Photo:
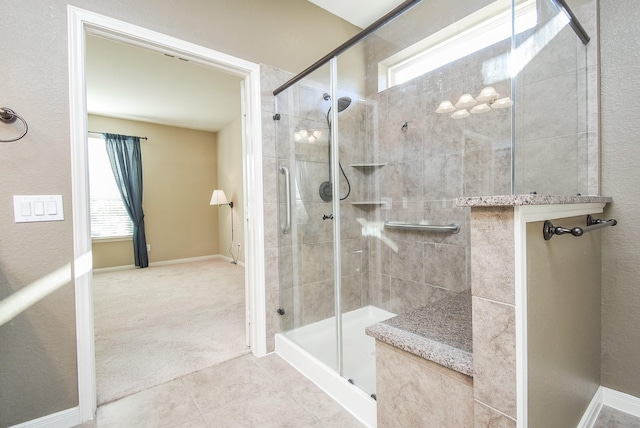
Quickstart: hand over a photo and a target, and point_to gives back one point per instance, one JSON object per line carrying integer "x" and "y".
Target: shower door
{"x": 306, "y": 236}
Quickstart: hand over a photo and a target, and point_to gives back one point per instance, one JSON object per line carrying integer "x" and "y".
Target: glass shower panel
{"x": 551, "y": 107}
{"x": 306, "y": 261}
{"x": 360, "y": 200}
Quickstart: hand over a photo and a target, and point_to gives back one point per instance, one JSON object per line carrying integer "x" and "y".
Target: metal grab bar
{"x": 548, "y": 229}
{"x": 286, "y": 226}
{"x": 453, "y": 228}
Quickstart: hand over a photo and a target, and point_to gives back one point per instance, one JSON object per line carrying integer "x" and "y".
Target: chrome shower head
{"x": 343, "y": 102}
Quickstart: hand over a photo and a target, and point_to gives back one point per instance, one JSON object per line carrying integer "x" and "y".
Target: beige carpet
{"x": 156, "y": 324}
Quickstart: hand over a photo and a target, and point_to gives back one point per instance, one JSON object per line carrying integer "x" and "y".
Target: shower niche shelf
{"x": 366, "y": 166}
{"x": 368, "y": 203}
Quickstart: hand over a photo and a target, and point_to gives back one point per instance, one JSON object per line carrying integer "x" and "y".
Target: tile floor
{"x": 250, "y": 392}
{"x": 611, "y": 418}
{"x": 243, "y": 392}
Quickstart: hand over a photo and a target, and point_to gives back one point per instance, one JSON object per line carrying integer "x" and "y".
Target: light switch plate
{"x": 31, "y": 208}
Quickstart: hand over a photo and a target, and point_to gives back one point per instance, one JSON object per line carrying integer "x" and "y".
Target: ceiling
{"x": 360, "y": 13}
{"x": 129, "y": 82}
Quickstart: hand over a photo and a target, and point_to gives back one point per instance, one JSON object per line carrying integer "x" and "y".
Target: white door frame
{"x": 81, "y": 22}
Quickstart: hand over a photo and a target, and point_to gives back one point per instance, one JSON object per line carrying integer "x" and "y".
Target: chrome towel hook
{"x": 9, "y": 116}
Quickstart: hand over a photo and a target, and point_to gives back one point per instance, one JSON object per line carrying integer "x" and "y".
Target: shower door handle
{"x": 286, "y": 226}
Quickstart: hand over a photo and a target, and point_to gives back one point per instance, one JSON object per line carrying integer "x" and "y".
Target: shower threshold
{"x": 311, "y": 350}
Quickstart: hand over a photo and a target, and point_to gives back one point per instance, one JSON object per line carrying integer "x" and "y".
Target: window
{"x": 477, "y": 31}
{"x": 109, "y": 218}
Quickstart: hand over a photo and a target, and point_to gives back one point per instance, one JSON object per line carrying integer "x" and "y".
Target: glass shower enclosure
{"x": 442, "y": 100}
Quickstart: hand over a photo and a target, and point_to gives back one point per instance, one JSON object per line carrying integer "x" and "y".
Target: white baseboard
{"x": 230, "y": 260}
{"x": 187, "y": 260}
{"x": 591, "y": 414}
{"x": 610, "y": 398}
{"x": 621, "y": 401}
{"x": 64, "y": 419}
{"x": 168, "y": 262}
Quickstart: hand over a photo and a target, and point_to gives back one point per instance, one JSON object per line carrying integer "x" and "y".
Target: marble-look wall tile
{"x": 407, "y": 295}
{"x": 486, "y": 417}
{"x": 593, "y": 150}
{"x": 290, "y": 299}
{"x": 405, "y": 102}
{"x": 318, "y": 301}
{"x": 268, "y": 136}
{"x": 310, "y": 225}
{"x": 271, "y": 224}
{"x": 493, "y": 254}
{"x": 543, "y": 176}
{"x": 269, "y": 177}
{"x": 551, "y": 54}
{"x": 354, "y": 253}
{"x": 351, "y": 292}
{"x": 552, "y": 115}
{"x": 380, "y": 286}
{"x": 316, "y": 262}
{"x": 408, "y": 262}
{"x": 442, "y": 177}
{"x": 419, "y": 393}
{"x": 406, "y": 180}
{"x": 494, "y": 355}
{"x": 445, "y": 266}
{"x": 446, "y": 212}
{"x": 406, "y": 144}
{"x": 444, "y": 136}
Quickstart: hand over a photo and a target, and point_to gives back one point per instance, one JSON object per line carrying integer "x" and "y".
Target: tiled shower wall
{"x": 306, "y": 257}
{"x": 432, "y": 159}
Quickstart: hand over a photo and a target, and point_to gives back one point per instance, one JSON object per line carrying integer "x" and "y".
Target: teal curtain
{"x": 126, "y": 162}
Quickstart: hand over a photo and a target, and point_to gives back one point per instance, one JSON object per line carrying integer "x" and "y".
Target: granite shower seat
{"x": 439, "y": 332}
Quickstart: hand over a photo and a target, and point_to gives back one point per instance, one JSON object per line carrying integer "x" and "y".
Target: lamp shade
{"x": 466, "y": 100}
{"x": 488, "y": 93}
{"x": 218, "y": 198}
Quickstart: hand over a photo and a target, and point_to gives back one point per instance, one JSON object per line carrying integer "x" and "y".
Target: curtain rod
{"x": 95, "y": 132}
{"x": 403, "y": 7}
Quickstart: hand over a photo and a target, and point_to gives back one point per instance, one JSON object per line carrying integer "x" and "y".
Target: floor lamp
{"x": 219, "y": 198}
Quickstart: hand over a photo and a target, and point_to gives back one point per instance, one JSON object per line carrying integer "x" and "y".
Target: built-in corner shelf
{"x": 368, "y": 165}
{"x": 364, "y": 203}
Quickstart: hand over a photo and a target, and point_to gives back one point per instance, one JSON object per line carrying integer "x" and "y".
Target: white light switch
{"x": 30, "y": 208}
{"x": 25, "y": 208}
{"x": 38, "y": 208}
{"x": 52, "y": 208}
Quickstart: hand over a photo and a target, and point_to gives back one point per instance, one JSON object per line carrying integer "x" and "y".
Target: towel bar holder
{"x": 548, "y": 229}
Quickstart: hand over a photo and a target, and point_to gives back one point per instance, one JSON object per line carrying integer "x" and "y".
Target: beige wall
{"x": 563, "y": 304}
{"x": 179, "y": 168}
{"x": 620, "y": 63}
{"x": 38, "y": 352}
{"x": 230, "y": 180}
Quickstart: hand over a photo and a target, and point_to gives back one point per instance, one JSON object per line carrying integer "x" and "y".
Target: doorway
{"x": 81, "y": 23}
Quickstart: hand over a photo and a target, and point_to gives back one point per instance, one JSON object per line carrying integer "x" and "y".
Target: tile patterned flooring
{"x": 243, "y": 392}
{"x": 611, "y": 418}
{"x": 250, "y": 392}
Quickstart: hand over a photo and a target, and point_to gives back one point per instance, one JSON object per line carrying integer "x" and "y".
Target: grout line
{"x": 193, "y": 400}
{"x": 493, "y": 301}
{"x": 494, "y": 409}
